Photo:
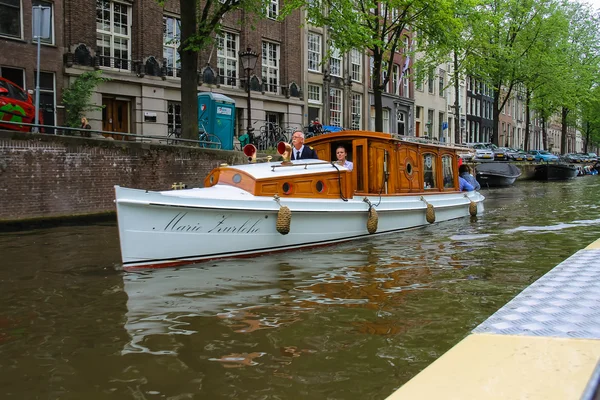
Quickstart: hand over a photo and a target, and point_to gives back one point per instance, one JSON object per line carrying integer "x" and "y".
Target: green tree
{"x": 504, "y": 32}
{"x": 76, "y": 97}
{"x": 200, "y": 21}
{"x": 379, "y": 26}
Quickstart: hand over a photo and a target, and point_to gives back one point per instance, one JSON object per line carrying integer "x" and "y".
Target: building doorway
{"x": 115, "y": 117}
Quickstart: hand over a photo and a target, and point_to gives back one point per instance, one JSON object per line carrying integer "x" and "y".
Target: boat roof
{"x": 263, "y": 170}
{"x": 356, "y": 134}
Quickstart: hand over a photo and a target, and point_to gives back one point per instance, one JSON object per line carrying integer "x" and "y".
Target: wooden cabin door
{"x": 360, "y": 177}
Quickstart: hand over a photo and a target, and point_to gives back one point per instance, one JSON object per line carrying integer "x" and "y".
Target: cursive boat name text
{"x": 179, "y": 223}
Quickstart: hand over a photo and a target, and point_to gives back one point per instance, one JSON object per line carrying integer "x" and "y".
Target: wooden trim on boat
{"x": 383, "y": 164}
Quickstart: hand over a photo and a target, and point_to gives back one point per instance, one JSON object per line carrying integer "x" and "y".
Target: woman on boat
{"x": 341, "y": 154}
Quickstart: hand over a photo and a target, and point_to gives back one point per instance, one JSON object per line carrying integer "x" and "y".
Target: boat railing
{"x": 425, "y": 140}
{"x": 295, "y": 165}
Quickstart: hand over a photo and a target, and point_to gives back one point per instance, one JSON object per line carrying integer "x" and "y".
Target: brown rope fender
{"x": 430, "y": 213}
{"x": 284, "y": 218}
{"x": 373, "y": 219}
{"x": 472, "y": 207}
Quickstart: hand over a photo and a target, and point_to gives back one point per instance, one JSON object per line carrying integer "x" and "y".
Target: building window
{"x": 273, "y": 9}
{"x": 431, "y": 81}
{"x": 441, "y": 80}
{"x": 270, "y": 66}
{"x": 46, "y": 4}
{"x": 356, "y": 65}
{"x": 227, "y": 58}
{"x": 419, "y": 80}
{"x": 430, "y": 123}
{"x": 335, "y": 107}
{"x": 47, "y": 98}
{"x": 335, "y": 62}
{"x": 314, "y": 52}
{"x": 355, "y": 109}
{"x": 386, "y": 120}
{"x": 174, "y": 117}
{"x": 15, "y": 75}
{"x": 314, "y": 94}
{"x": 396, "y": 79}
{"x": 171, "y": 38}
{"x": 405, "y": 87}
{"x": 10, "y": 18}
{"x": 440, "y": 126}
{"x": 113, "y": 34}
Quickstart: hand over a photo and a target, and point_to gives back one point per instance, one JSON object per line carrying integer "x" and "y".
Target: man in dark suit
{"x": 299, "y": 150}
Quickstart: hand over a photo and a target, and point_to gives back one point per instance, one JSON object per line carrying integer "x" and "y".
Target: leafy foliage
{"x": 76, "y": 97}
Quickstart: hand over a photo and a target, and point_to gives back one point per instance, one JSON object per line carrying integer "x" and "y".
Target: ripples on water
{"x": 353, "y": 321}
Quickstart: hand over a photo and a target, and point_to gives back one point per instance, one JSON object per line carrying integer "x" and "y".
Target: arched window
{"x": 447, "y": 171}
{"x": 429, "y": 171}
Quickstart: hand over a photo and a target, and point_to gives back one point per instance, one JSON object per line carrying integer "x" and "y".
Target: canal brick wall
{"x": 48, "y": 176}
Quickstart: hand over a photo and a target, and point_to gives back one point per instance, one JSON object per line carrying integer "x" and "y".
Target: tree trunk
{"x": 495, "y": 135}
{"x": 189, "y": 73}
{"x": 377, "y": 91}
{"x": 544, "y": 135}
{"x": 527, "y": 119}
{"x": 563, "y": 130}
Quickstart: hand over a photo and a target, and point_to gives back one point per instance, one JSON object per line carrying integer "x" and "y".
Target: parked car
{"x": 16, "y": 105}
{"x": 482, "y": 151}
{"x": 543, "y": 155}
{"x": 500, "y": 153}
{"x": 513, "y": 154}
{"x": 593, "y": 157}
{"x": 572, "y": 158}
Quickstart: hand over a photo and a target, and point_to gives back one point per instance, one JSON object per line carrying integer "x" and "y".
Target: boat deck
{"x": 544, "y": 344}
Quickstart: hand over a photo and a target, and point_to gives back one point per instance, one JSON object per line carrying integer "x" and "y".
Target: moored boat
{"x": 243, "y": 210}
{"x": 555, "y": 172}
{"x": 497, "y": 174}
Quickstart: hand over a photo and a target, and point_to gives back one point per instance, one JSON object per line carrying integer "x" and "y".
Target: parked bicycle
{"x": 207, "y": 140}
{"x": 270, "y": 135}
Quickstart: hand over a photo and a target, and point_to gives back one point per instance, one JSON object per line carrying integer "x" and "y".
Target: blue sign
{"x": 444, "y": 126}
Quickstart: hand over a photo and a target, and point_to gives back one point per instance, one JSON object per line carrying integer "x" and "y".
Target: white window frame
{"x": 396, "y": 79}
{"x": 273, "y": 9}
{"x": 171, "y": 42}
{"x": 385, "y": 116}
{"x": 315, "y": 48}
{"x": 19, "y": 20}
{"x": 45, "y": 90}
{"x": 335, "y": 62}
{"x": 113, "y": 35}
{"x": 356, "y": 111}
{"x": 405, "y": 86}
{"x": 314, "y": 94}
{"x": 270, "y": 66}
{"x": 441, "y": 77}
{"x": 45, "y": 3}
{"x": 228, "y": 46}
{"x": 336, "y": 107}
{"x": 356, "y": 65}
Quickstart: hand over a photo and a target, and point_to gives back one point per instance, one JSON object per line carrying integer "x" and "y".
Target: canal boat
{"x": 497, "y": 174}
{"x": 397, "y": 183}
{"x": 555, "y": 172}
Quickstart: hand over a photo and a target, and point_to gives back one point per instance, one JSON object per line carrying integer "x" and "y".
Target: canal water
{"x": 352, "y": 321}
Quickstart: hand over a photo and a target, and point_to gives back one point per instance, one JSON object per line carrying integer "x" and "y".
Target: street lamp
{"x": 248, "y": 59}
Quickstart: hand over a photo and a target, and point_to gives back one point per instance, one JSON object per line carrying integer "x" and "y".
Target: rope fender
{"x": 472, "y": 207}
{"x": 284, "y": 218}
{"x": 373, "y": 219}
{"x": 430, "y": 213}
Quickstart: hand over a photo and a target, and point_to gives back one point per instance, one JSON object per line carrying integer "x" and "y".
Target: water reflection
{"x": 352, "y": 321}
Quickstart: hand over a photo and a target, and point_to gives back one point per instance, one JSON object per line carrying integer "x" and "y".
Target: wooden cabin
{"x": 390, "y": 165}
{"x": 383, "y": 165}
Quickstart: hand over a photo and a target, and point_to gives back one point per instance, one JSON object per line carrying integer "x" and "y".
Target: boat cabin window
{"x": 429, "y": 171}
{"x": 347, "y": 146}
{"x": 448, "y": 172}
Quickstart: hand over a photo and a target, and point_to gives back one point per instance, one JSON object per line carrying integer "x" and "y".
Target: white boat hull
{"x": 160, "y": 229}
